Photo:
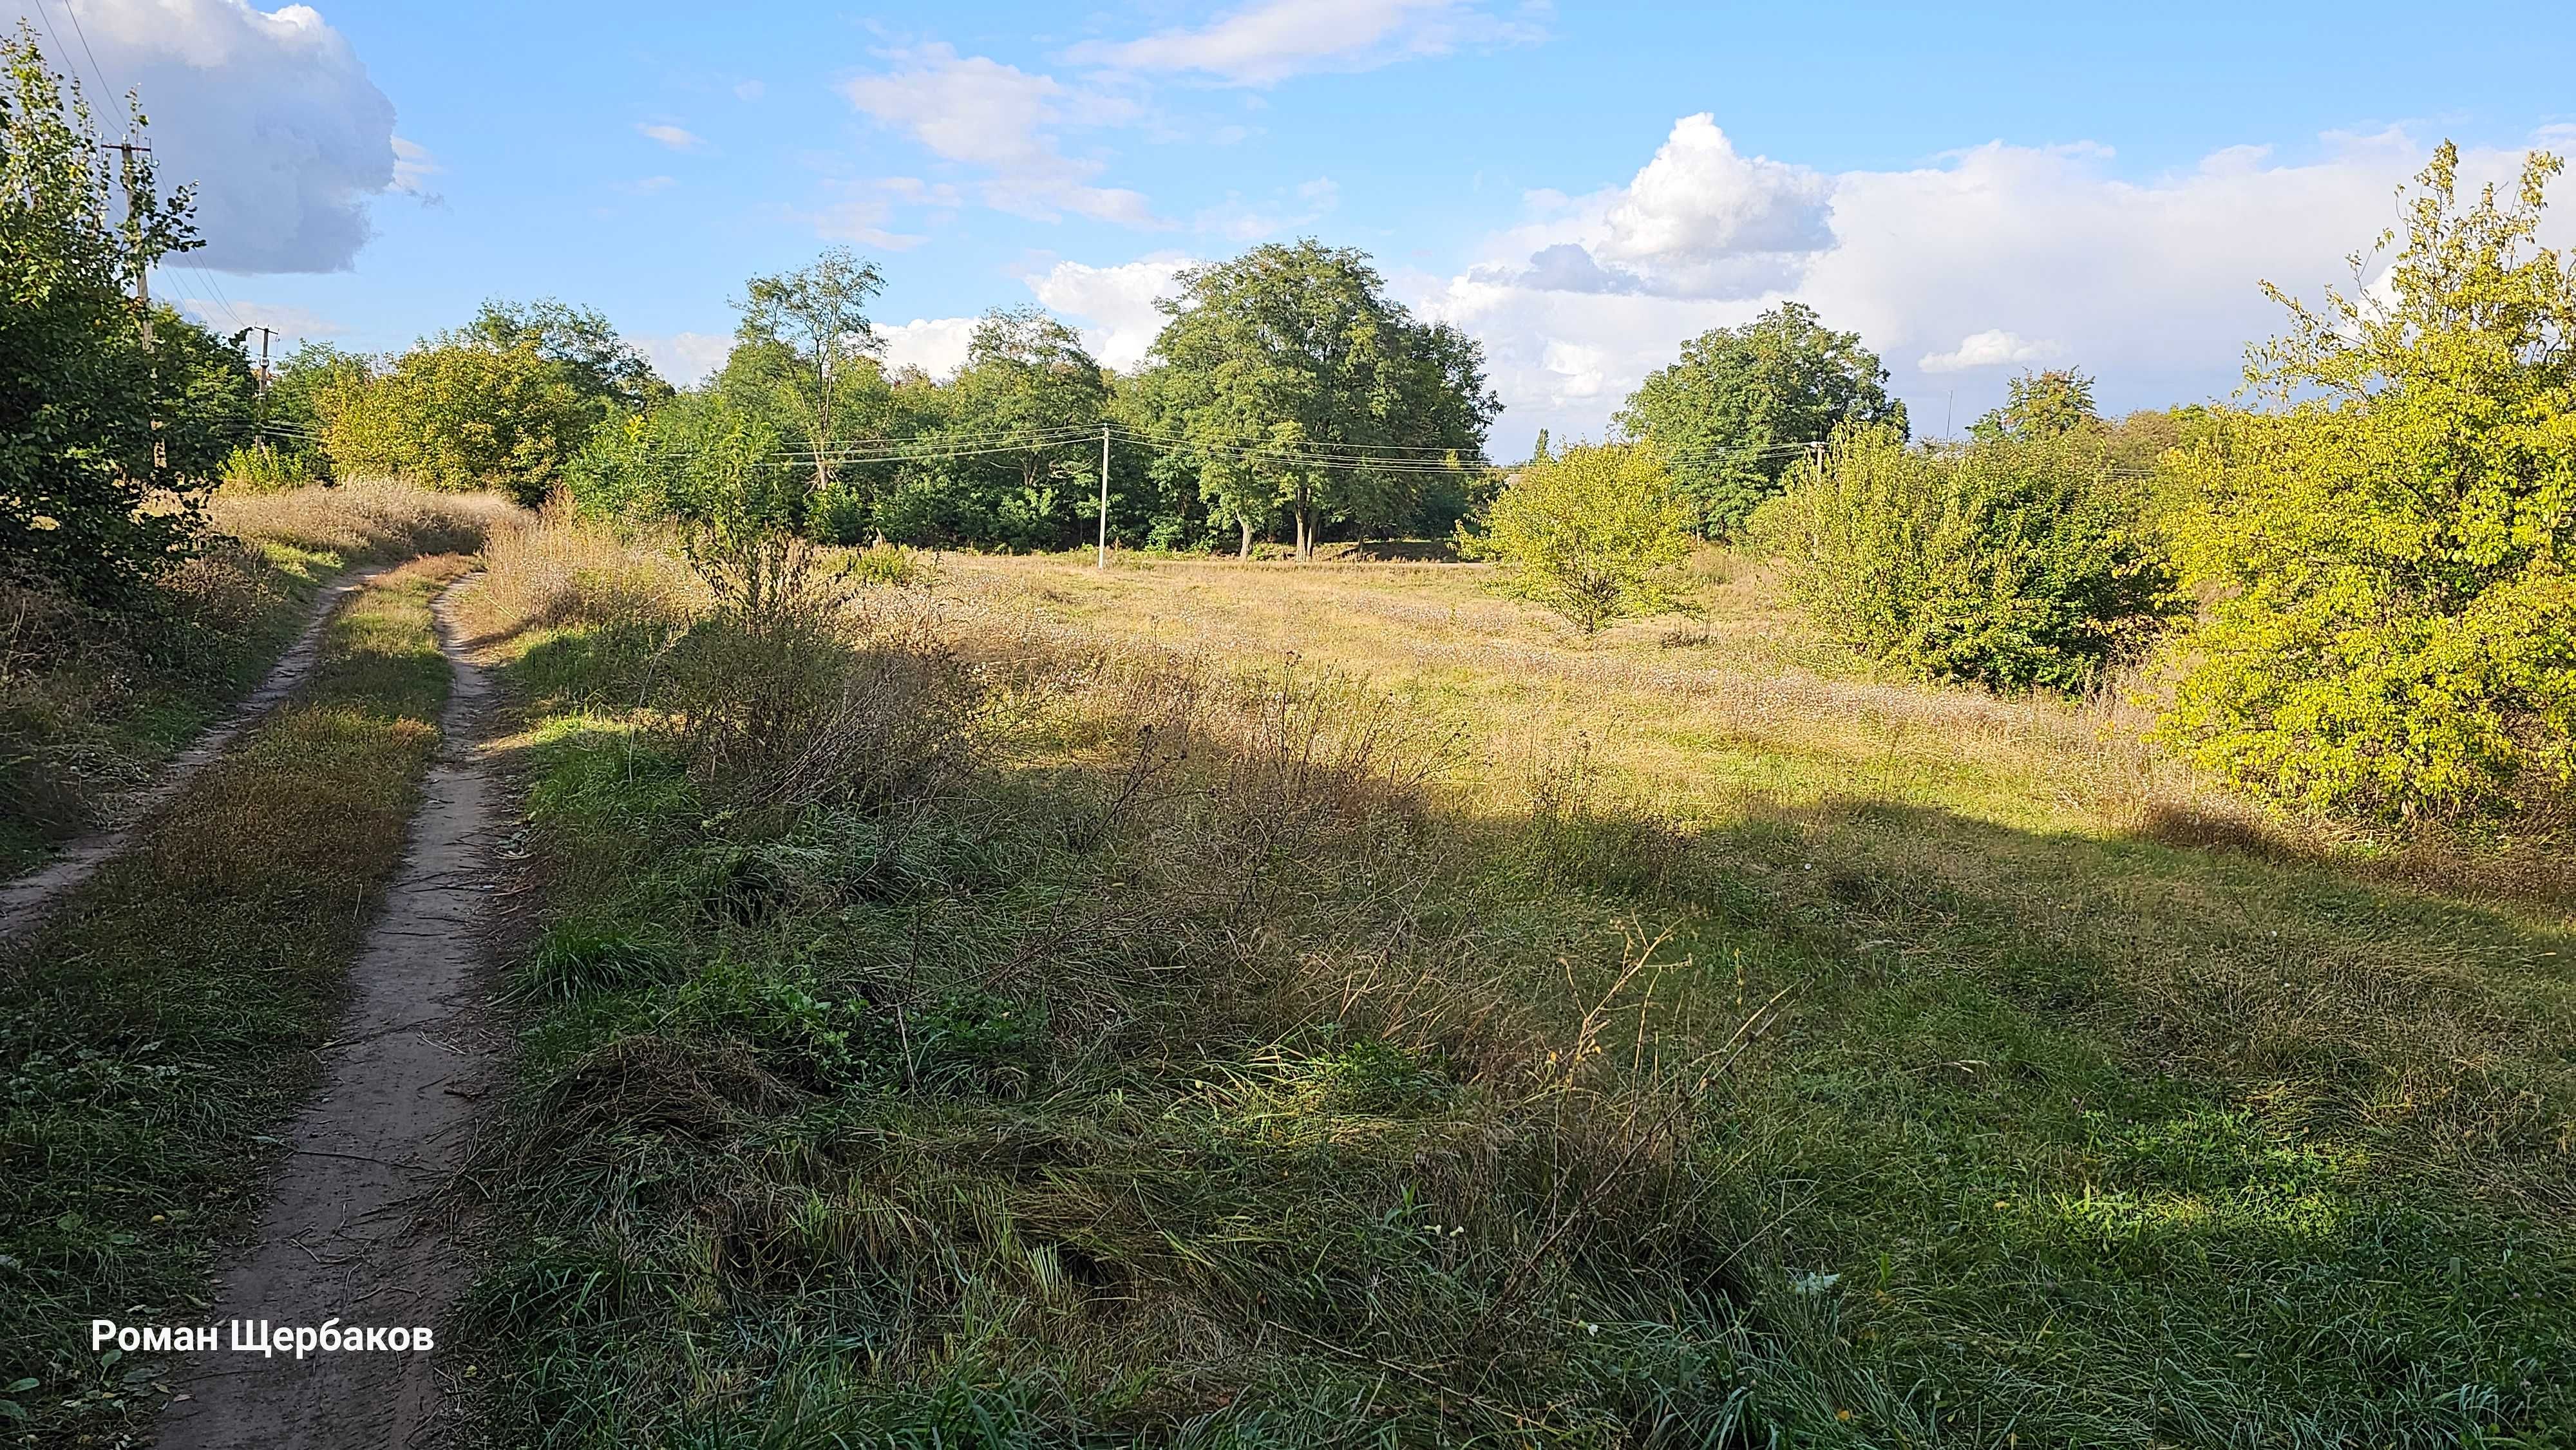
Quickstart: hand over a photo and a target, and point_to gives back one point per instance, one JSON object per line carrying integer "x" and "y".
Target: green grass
{"x": 1298, "y": 1074}
{"x": 159, "y": 1027}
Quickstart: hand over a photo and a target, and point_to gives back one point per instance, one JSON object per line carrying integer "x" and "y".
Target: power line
{"x": 104, "y": 88}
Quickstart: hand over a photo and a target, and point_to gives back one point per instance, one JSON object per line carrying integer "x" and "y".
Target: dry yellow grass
{"x": 1703, "y": 718}
{"x": 358, "y": 522}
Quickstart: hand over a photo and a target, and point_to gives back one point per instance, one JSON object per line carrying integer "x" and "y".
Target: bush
{"x": 2019, "y": 563}
{"x": 266, "y": 468}
{"x": 2394, "y": 625}
{"x": 1598, "y": 535}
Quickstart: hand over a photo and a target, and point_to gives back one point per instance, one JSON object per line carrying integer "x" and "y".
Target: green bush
{"x": 1596, "y": 536}
{"x": 266, "y": 468}
{"x": 2393, "y": 626}
{"x": 2018, "y": 563}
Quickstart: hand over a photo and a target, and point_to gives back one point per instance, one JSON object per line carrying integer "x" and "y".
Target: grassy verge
{"x": 91, "y": 701}
{"x": 969, "y": 1023}
{"x": 157, "y": 1029}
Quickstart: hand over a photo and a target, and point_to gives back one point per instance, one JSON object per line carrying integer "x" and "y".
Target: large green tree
{"x": 78, "y": 388}
{"x": 811, "y": 338}
{"x": 1730, "y": 415}
{"x": 1294, "y": 380}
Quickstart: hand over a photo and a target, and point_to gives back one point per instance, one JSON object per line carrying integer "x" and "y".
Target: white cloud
{"x": 647, "y": 185}
{"x": 2150, "y": 284}
{"x": 750, "y": 90}
{"x": 936, "y": 345}
{"x": 289, "y": 323}
{"x": 1118, "y": 302}
{"x": 270, "y": 114}
{"x": 684, "y": 358}
{"x": 413, "y": 166}
{"x": 678, "y": 138}
{"x": 1271, "y": 40}
{"x": 1991, "y": 348}
{"x": 1005, "y": 122}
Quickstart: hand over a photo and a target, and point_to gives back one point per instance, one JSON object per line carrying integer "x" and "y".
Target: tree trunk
{"x": 1246, "y": 551}
{"x": 1305, "y": 526}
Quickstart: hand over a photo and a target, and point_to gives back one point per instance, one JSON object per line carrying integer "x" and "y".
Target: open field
{"x": 1313, "y": 1004}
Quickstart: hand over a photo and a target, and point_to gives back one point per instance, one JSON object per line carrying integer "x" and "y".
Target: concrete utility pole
{"x": 1104, "y": 497}
{"x": 142, "y": 297}
{"x": 262, "y": 420}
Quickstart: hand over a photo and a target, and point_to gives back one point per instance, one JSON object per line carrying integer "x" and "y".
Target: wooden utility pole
{"x": 1104, "y": 497}
{"x": 142, "y": 296}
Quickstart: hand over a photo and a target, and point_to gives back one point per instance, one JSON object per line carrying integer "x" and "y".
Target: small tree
{"x": 2392, "y": 550}
{"x": 2042, "y": 405}
{"x": 1597, "y": 535}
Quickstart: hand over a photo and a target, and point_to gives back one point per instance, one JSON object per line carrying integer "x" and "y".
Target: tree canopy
{"x": 1729, "y": 414}
{"x": 78, "y": 389}
{"x": 1290, "y": 355}
{"x": 2389, "y": 549}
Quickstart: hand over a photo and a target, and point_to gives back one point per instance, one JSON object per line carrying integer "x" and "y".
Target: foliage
{"x": 810, "y": 330}
{"x": 265, "y": 467}
{"x": 77, "y": 387}
{"x": 2042, "y": 405}
{"x": 1027, "y": 409}
{"x": 2393, "y": 626}
{"x": 2019, "y": 563}
{"x": 1596, "y": 536}
{"x": 711, "y": 471}
{"x": 1290, "y": 355}
{"x": 1729, "y": 413}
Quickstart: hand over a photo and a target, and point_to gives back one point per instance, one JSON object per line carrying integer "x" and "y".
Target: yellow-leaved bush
{"x": 2390, "y": 622}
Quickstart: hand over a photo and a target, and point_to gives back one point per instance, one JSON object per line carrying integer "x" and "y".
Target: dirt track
{"x": 351, "y": 1233}
{"x": 26, "y": 900}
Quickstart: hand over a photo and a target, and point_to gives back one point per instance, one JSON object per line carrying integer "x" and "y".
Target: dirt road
{"x": 351, "y": 1234}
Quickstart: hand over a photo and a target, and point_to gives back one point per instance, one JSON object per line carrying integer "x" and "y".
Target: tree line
{"x": 1287, "y": 397}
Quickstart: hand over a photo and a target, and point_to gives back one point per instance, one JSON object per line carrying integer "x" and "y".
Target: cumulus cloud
{"x": 1271, "y": 40}
{"x": 1006, "y": 123}
{"x": 935, "y": 345}
{"x": 1985, "y": 259}
{"x": 1112, "y": 307}
{"x": 1698, "y": 220}
{"x": 684, "y": 358}
{"x": 1117, "y": 302}
{"x": 1991, "y": 348}
{"x": 678, "y": 138}
{"x": 270, "y": 113}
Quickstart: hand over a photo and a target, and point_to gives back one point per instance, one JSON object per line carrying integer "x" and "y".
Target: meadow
{"x": 1234, "y": 1004}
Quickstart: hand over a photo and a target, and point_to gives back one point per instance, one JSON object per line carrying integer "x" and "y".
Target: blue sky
{"x": 1974, "y": 189}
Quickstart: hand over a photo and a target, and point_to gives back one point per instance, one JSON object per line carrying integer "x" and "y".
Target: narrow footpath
{"x": 25, "y": 900}
{"x": 353, "y": 1233}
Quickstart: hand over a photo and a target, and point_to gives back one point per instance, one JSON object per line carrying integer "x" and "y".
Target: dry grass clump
{"x": 363, "y": 522}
